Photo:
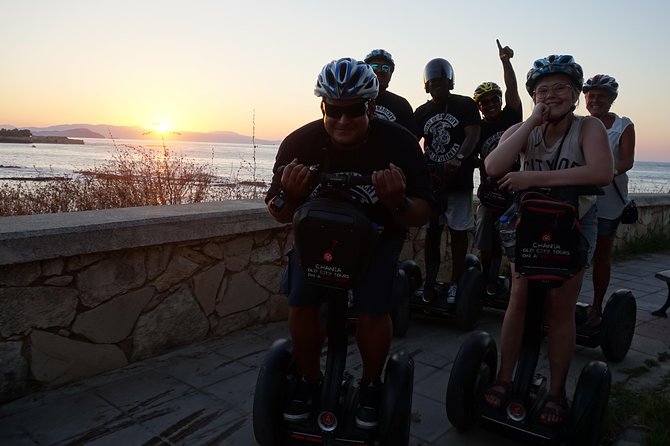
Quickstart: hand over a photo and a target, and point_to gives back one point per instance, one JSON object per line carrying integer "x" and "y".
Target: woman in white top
{"x": 557, "y": 148}
{"x": 600, "y": 92}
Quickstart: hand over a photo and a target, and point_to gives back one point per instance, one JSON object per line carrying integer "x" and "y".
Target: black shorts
{"x": 373, "y": 294}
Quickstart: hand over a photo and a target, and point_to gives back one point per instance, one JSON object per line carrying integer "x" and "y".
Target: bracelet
{"x": 404, "y": 207}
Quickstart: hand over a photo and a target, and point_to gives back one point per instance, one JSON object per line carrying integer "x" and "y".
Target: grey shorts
{"x": 459, "y": 215}
{"x": 373, "y": 294}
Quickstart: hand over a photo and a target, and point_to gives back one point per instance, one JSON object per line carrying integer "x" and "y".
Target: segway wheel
{"x": 400, "y": 311}
{"x": 587, "y": 414}
{"x": 270, "y": 395}
{"x": 471, "y": 288}
{"x": 396, "y": 405}
{"x": 473, "y": 371}
{"x": 413, "y": 273}
{"x": 618, "y": 325}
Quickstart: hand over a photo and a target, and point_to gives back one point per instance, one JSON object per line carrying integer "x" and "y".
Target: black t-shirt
{"x": 443, "y": 129}
{"x": 394, "y": 108}
{"x": 386, "y": 143}
{"x": 491, "y": 132}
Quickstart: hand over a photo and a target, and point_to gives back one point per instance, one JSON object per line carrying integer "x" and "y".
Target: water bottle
{"x": 507, "y": 235}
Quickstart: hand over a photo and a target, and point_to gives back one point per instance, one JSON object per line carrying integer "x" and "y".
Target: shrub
{"x": 135, "y": 176}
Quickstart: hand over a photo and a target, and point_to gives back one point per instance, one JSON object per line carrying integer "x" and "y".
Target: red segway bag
{"x": 549, "y": 244}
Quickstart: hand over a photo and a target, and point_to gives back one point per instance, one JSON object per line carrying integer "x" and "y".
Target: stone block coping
{"x": 45, "y": 236}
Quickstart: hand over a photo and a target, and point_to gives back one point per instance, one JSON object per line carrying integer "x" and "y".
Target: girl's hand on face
{"x": 540, "y": 114}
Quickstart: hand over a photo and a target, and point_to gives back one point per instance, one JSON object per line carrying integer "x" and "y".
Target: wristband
{"x": 278, "y": 202}
{"x": 404, "y": 207}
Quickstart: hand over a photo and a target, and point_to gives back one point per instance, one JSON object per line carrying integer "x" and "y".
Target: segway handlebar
{"x": 335, "y": 180}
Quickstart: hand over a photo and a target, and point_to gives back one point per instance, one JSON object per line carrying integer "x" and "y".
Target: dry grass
{"x": 135, "y": 176}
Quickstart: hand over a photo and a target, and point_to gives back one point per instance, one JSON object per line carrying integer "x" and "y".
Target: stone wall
{"x": 86, "y": 292}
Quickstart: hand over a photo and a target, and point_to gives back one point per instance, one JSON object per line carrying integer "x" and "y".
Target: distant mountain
{"x": 134, "y": 132}
{"x": 77, "y": 133}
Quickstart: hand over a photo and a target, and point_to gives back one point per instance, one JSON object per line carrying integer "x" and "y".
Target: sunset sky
{"x": 206, "y": 65}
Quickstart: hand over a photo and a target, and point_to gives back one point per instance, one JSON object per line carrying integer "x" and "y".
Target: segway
{"x": 467, "y": 307}
{"x": 334, "y": 240}
{"x": 613, "y": 335}
{"x": 545, "y": 264}
{"x": 615, "y": 332}
{"x": 406, "y": 283}
{"x": 499, "y": 298}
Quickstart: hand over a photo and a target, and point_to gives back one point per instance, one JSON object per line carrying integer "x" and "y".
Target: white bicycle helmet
{"x": 347, "y": 78}
{"x": 602, "y": 81}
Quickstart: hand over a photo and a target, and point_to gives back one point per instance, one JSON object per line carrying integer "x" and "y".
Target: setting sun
{"x": 160, "y": 126}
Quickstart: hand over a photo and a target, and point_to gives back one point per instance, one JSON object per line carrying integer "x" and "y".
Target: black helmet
{"x": 380, "y": 54}
{"x": 438, "y": 69}
{"x": 564, "y": 64}
{"x": 603, "y": 81}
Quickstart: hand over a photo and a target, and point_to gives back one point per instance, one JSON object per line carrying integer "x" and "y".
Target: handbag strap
{"x": 560, "y": 146}
{"x": 618, "y": 191}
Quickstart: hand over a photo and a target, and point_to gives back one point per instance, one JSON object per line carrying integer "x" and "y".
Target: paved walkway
{"x": 202, "y": 394}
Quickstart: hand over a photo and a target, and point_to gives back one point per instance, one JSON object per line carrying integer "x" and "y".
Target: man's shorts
{"x": 372, "y": 295}
{"x": 459, "y": 215}
{"x": 607, "y": 227}
{"x": 486, "y": 235}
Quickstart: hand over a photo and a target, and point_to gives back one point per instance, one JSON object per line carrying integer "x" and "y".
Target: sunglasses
{"x": 353, "y": 111}
{"x": 383, "y": 68}
{"x": 490, "y": 101}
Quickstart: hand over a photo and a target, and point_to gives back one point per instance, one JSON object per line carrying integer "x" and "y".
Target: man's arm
{"x": 471, "y": 139}
{"x": 390, "y": 186}
{"x": 511, "y": 87}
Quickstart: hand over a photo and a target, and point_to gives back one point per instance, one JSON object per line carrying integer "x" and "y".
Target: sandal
{"x": 498, "y": 390}
{"x": 555, "y": 407}
{"x": 594, "y": 318}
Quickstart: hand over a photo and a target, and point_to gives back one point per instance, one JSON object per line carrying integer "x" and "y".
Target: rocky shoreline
{"x": 40, "y": 140}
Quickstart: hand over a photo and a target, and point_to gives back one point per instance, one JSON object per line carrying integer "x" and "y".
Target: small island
{"x": 17, "y": 136}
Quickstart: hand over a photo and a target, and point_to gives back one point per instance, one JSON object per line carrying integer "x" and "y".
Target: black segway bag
{"x": 549, "y": 244}
{"x": 334, "y": 239}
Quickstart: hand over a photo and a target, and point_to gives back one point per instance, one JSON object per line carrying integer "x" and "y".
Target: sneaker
{"x": 369, "y": 396}
{"x": 451, "y": 294}
{"x": 299, "y": 406}
{"x": 428, "y": 295}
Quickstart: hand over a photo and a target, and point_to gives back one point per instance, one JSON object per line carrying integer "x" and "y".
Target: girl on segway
{"x": 557, "y": 148}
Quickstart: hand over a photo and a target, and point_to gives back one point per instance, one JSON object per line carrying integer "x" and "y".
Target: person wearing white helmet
{"x": 449, "y": 126}
{"x": 347, "y": 139}
{"x": 389, "y": 106}
{"x": 557, "y": 148}
{"x": 492, "y": 200}
{"x": 600, "y": 92}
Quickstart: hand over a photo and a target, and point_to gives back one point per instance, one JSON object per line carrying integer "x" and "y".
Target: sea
{"x": 230, "y": 163}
